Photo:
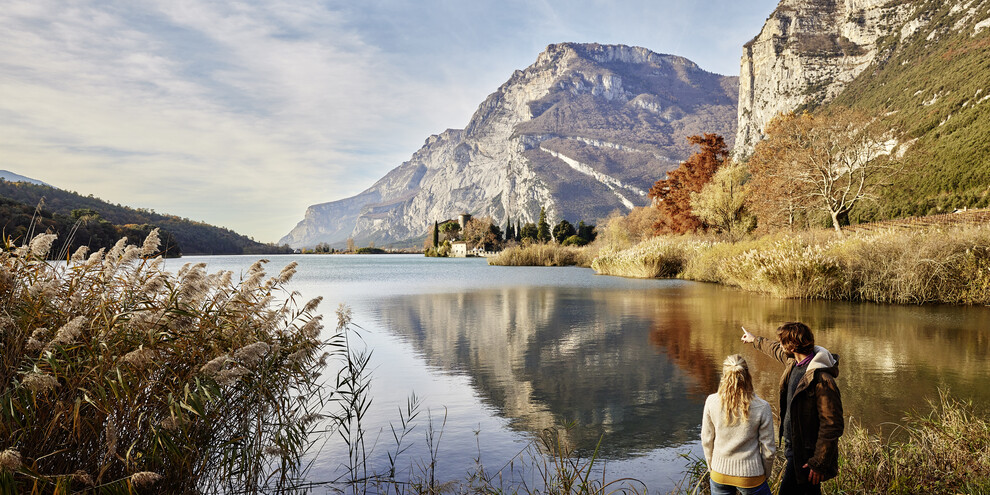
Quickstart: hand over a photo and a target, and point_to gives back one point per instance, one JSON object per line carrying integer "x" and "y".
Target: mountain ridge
{"x": 583, "y": 131}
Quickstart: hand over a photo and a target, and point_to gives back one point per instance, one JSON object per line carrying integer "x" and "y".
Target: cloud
{"x": 242, "y": 114}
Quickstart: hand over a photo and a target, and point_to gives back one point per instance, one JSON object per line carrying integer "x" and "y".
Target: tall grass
{"x": 937, "y": 264}
{"x": 118, "y": 375}
{"x": 944, "y": 451}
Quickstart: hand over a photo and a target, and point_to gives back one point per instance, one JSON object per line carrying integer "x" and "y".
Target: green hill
{"x": 934, "y": 86}
{"x": 103, "y": 223}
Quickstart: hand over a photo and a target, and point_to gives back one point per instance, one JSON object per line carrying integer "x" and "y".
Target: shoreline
{"x": 943, "y": 264}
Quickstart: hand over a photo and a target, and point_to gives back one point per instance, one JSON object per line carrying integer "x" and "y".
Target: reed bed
{"x": 944, "y": 451}
{"x": 119, "y": 376}
{"x": 942, "y": 264}
{"x": 539, "y": 254}
{"x": 659, "y": 257}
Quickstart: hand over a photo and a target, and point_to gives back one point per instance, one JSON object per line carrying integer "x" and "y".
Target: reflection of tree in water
{"x": 672, "y": 332}
{"x": 547, "y": 356}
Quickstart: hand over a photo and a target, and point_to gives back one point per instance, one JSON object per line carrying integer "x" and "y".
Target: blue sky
{"x": 242, "y": 114}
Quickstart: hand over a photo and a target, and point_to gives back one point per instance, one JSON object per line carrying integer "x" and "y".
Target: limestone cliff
{"x": 806, "y": 54}
{"x": 584, "y": 131}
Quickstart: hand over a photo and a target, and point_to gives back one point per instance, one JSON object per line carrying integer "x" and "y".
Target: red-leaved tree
{"x": 672, "y": 196}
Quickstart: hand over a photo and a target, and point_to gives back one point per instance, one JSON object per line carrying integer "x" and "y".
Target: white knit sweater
{"x": 743, "y": 449}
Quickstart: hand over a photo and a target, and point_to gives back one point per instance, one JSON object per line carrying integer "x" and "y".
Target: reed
{"x": 946, "y": 450}
{"x": 118, "y": 375}
{"x": 539, "y": 254}
{"x": 658, "y": 257}
{"x": 938, "y": 264}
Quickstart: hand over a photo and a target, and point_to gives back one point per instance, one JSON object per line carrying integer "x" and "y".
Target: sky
{"x": 243, "y": 113}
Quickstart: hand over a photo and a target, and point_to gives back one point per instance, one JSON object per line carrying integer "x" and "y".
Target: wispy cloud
{"x": 244, "y": 113}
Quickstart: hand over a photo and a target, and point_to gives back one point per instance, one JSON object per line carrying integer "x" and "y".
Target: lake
{"x": 497, "y": 354}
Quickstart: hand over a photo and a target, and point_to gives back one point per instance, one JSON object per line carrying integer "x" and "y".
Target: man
{"x": 810, "y": 407}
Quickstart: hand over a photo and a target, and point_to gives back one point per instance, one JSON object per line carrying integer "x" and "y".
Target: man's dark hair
{"x": 796, "y": 337}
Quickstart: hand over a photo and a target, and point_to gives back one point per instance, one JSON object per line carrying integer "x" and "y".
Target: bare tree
{"x": 826, "y": 161}
{"x": 480, "y": 232}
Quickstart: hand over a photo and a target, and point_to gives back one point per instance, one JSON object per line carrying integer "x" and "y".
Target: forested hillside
{"x": 103, "y": 223}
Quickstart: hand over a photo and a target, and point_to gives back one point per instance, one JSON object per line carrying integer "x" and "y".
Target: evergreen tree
{"x": 563, "y": 230}
{"x": 508, "y": 228}
{"x": 543, "y": 228}
{"x": 586, "y": 232}
{"x": 436, "y": 234}
{"x": 528, "y": 231}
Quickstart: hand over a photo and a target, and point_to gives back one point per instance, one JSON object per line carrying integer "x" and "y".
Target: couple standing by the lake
{"x": 737, "y": 428}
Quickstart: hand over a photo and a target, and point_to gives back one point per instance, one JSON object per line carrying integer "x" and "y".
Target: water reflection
{"x": 636, "y": 364}
{"x": 545, "y": 357}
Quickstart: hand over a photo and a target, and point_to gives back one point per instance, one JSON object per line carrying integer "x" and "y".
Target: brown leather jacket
{"x": 816, "y": 410}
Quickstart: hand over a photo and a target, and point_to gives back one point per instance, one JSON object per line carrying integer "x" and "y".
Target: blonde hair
{"x": 735, "y": 389}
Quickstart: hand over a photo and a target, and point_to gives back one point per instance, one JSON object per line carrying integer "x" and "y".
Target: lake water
{"x": 497, "y": 354}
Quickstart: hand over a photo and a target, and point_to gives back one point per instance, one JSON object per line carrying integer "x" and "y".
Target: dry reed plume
{"x": 118, "y": 375}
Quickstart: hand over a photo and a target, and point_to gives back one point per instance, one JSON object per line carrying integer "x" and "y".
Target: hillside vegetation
{"x": 104, "y": 223}
{"x": 934, "y": 86}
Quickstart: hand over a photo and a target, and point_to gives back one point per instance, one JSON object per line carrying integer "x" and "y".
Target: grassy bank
{"x": 930, "y": 265}
{"x": 537, "y": 254}
{"x": 945, "y": 450}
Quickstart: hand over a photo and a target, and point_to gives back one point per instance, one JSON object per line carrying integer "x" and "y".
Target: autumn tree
{"x": 721, "y": 203}
{"x": 829, "y": 161}
{"x": 776, "y": 196}
{"x": 672, "y": 196}
{"x": 482, "y": 232}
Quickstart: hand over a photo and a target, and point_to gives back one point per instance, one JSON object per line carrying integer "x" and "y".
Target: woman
{"x": 737, "y": 433}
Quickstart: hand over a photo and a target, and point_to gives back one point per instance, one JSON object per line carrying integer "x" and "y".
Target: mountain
{"x": 12, "y": 177}
{"x": 584, "y": 131}
{"x": 922, "y": 67}
{"x": 105, "y": 223}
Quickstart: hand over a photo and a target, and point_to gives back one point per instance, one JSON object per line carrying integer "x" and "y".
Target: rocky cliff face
{"x": 806, "y": 54}
{"x": 584, "y": 131}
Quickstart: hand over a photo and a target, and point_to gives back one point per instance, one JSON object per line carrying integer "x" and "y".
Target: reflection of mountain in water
{"x": 547, "y": 356}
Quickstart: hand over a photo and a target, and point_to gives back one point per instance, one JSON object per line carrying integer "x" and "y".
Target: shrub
{"x": 370, "y": 250}
{"x": 117, "y": 373}
{"x": 575, "y": 240}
